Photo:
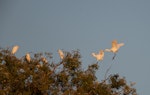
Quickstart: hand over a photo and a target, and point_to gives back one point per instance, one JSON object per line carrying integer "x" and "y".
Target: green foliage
{"x": 37, "y": 77}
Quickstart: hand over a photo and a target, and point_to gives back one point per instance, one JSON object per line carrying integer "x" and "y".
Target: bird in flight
{"x": 99, "y": 56}
{"x": 115, "y": 47}
{"x": 28, "y": 57}
{"x": 61, "y": 54}
{"x": 14, "y": 49}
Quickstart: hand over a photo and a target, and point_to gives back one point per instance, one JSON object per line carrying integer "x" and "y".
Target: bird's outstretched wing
{"x": 108, "y": 50}
{"x": 120, "y": 44}
{"x": 93, "y": 54}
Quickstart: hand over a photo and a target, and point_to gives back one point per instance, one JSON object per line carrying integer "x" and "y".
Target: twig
{"x": 56, "y": 67}
{"x": 107, "y": 71}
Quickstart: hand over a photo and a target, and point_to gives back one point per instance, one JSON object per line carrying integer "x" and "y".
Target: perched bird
{"x": 14, "y": 49}
{"x": 28, "y": 57}
{"x": 99, "y": 56}
{"x": 61, "y": 54}
{"x": 115, "y": 47}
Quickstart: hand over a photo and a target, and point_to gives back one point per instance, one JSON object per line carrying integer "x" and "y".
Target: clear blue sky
{"x": 87, "y": 25}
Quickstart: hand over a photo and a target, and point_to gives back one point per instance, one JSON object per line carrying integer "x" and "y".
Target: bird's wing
{"x": 93, "y": 54}
{"x": 108, "y": 50}
{"x": 114, "y": 44}
{"x": 121, "y": 44}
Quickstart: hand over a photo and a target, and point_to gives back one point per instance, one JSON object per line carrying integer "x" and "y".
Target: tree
{"x": 38, "y": 77}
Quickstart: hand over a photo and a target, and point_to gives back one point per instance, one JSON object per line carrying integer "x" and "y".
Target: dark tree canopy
{"x": 67, "y": 77}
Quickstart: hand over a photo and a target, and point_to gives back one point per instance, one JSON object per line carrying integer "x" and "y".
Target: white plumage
{"x": 115, "y": 47}
{"x": 28, "y": 57}
{"x": 99, "y": 56}
{"x": 14, "y": 49}
{"x": 61, "y": 54}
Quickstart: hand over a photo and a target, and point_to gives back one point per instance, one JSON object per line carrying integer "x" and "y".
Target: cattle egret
{"x": 115, "y": 47}
{"x": 14, "y": 49}
{"x": 99, "y": 56}
{"x": 28, "y": 57}
{"x": 61, "y": 54}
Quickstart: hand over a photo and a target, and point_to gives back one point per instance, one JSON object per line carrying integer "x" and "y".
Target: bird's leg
{"x": 114, "y": 56}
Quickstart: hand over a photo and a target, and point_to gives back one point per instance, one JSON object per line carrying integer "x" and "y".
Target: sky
{"x": 87, "y": 25}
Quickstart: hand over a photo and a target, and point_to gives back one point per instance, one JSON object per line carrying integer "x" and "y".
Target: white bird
{"x": 14, "y": 49}
{"x": 99, "y": 56}
{"x": 28, "y": 57}
{"x": 115, "y": 47}
{"x": 61, "y": 54}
